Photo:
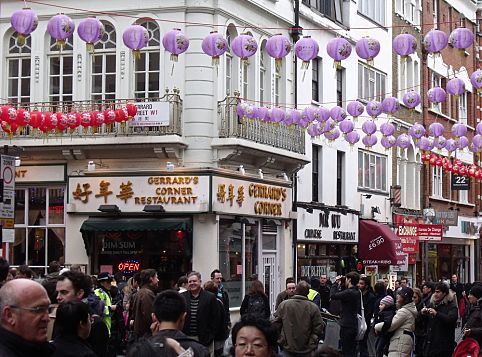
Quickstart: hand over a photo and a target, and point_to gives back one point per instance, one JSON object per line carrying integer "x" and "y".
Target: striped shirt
{"x": 193, "y": 317}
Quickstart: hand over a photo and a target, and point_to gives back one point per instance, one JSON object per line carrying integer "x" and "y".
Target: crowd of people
{"x": 73, "y": 314}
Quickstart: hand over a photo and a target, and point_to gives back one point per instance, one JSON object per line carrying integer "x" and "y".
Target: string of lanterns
{"x": 455, "y": 166}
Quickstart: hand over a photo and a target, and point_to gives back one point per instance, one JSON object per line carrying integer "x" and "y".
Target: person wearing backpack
{"x": 256, "y": 302}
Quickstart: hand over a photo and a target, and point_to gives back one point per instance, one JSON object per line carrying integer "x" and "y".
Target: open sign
{"x": 129, "y": 266}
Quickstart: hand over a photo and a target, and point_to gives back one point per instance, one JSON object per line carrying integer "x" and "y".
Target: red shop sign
{"x": 408, "y": 234}
{"x": 430, "y": 232}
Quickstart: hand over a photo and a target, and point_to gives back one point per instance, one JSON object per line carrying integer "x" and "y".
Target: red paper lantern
{"x": 73, "y": 120}
{"x": 9, "y": 114}
{"x": 450, "y": 167}
{"x": 9, "y": 128}
{"x": 50, "y": 122}
{"x": 131, "y": 110}
{"x": 471, "y": 172}
{"x": 439, "y": 162}
{"x": 61, "y": 121}
{"x": 36, "y": 119}
{"x": 456, "y": 169}
{"x": 85, "y": 119}
{"x": 433, "y": 159}
{"x": 458, "y": 162}
{"x": 109, "y": 116}
{"x": 463, "y": 170}
{"x": 23, "y": 117}
{"x": 96, "y": 119}
{"x": 121, "y": 115}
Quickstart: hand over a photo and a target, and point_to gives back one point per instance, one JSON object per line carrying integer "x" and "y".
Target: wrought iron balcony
{"x": 276, "y": 135}
{"x": 105, "y": 130}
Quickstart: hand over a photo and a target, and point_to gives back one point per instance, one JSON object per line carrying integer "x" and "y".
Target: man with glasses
{"x": 24, "y": 316}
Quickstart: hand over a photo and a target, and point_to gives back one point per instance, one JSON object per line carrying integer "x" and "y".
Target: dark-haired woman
{"x": 254, "y": 336}
{"x": 72, "y": 326}
{"x": 256, "y": 302}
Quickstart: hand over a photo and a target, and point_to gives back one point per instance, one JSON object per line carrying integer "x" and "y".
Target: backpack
{"x": 256, "y": 306}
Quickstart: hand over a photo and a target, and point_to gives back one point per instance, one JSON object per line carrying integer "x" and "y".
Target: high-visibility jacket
{"x": 314, "y": 296}
{"x": 105, "y": 297}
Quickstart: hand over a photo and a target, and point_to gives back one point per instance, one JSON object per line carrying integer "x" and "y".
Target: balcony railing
{"x": 276, "y": 135}
{"x": 105, "y": 130}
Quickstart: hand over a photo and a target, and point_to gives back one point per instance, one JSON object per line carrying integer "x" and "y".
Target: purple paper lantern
{"x": 25, "y": 22}
{"x": 461, "y": 38}
{"x": 346, "y": 126}
{"x": 374, "y": 108}
{"x": 459, "y": 130}
{"x": 332, "y": 135}
{"x": 390, "y": 105}
{"x": 277, "y": 115}
{"x": 296, "y": 116}
{"x": 436, "y": 95}
{"x": 387, "y": 129}
{"x": 135, "y": 37}
{"x": 314, "y": 129}
{"x": 262, "y": 113}
{"x": 339, "y": 49}
{"x": 417, "y": 131}
{"x": 306, "y": 49}
{"x": 476, "y": 80}
{"x": 436, "y": 129}
{"x": 369, "y": 127}
{"x": 367, "y": 48}
{"x": 435, "y": 41}
{"x": 463, "y": 142}
{"x": 455, "y": 87}
{"x": 352, "y": 138}
{"x": 411, "y": 99}
{"x": 478, "y": 128}
{"x": 440, "y": 142}
{"x": 403, "y": 141}
{"x": 278, "y": 47}
{"x": 369, "y": 141}
{"x": 214, "y": 45}
{"x": 388, "y": 141}
{"x": 60, "y": 27}
{"x": 338, "y": 113}
{"x": 451, "y": 145}
{"x": 244, "y": 46}
{"x": 404, "y": 45}
{"x": 175, "y": 42}
{"x": 477, "y": 142}
{"x": 309, "y": 114}
{"x": 323, "y": 114}
{"x": 355, "y": 109}
{"x": 90, "y": 31}
{"x": 289, "y": 119}
{"x": 424, "y": 144}
{"x": 330, "y": 124}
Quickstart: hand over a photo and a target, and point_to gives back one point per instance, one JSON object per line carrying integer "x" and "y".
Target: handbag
{"x": 362, "y": 324}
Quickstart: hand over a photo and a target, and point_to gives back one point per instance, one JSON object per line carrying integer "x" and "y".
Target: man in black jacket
{"x": 169, "y": 316}
{"x": 441, "y": 318}
{"x": 427, "y": 291}
{"x": 24, "y": 316}
{"x": 369, "y": 299}
{"x": 324, "y": 291}
{"x": 202, "y": 312}
{"x": 350, "y": 307}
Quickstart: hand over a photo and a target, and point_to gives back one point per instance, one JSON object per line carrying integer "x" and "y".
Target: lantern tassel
{"x": 174, "y": 57}
{"x": 60, "y": 45}
{"x": 370, "y": 61}
{"x": 278, "y": 63}
{"x": 20, "y": 40}
{"x": 215, "y": 61}
{"x": 137, "y": 54}
{"x": 90, "y": 48}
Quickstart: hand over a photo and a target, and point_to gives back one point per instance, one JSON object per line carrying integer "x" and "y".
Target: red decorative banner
{"x": 408, "y": 234}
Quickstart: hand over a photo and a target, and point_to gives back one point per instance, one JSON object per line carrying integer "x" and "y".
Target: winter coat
{"x": 403, "y": 325}
{"x": 245, "y": 305}
{"x": 441, "y": 328}
{"x": 282, "y": 296}
{"x": 474, "y": 322}
{"x": 12, "y": 345}
{"x": 350, "y": 299}
{"x": 72, "y": 346}
{"x": 143, "y": 309}
{"x": 300, "y": 323}
{"x": 184, "y": 341}
{"x": 383, "y": 321}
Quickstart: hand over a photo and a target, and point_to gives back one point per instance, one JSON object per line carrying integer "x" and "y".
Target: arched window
{"x": 103, "y": 84}
{"x": 263, "y": 77}
{"x": 230, "y": 61}
{"x": 18, "y": 70}
{"x": 147, "y": 67}
{"x": 60, "y": 71}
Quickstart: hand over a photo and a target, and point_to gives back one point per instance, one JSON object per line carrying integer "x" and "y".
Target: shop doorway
{"x": 270, "y": 276}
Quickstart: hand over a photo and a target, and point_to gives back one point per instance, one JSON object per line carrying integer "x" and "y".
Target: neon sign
{"x": 129, "y": 266}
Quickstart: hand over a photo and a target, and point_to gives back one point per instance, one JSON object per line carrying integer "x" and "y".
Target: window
{"x": 104, "y": 66}
{"x": 315, "y": 174}
{"x": 372, "y": 171}
{"x": 340, "y": 87}
{"x": 410, "y": 10}
{"x": 462, "y": 108}
{"x": 236, "y": 276}
{"x": 277, "y": 86}
{"x": 60, "y": 71}
{"x": 340, "y": 169}
{"x": 231, "y": 63}
{"x": 463, "y": 196}
{"x": 373, "y": 9}
{"x": 18, "y": 69}
{"x": 435, "y": 14}
{"x": 437, "y": 181}
{"x": 245, "y": 76}
{"x": 39, "y": 227}
{"x": 262, "y": 74}
{"x": 316, "y": 80}
{"x": 332, "y": 9}
{"x": 408, "y": 76}
{"x": 371, "y": 83}
{"x": 147, "y": 67}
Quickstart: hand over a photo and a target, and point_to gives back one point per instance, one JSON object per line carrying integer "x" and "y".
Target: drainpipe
{"x": 295, "y": 33}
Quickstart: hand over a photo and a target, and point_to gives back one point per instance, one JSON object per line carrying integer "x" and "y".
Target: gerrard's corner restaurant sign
{"x": 250, "y": 198}
{"x": 131, "y": 194}
{"x": 328, "y": 226}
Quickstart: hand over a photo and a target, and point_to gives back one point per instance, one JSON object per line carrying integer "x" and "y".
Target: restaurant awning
{"x": 377, "y": 244}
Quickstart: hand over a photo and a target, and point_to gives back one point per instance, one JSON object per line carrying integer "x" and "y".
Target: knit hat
{"x": 406, "y": 293}
{"x": 387, "y": 301}
{"x": 476, "y": 291}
